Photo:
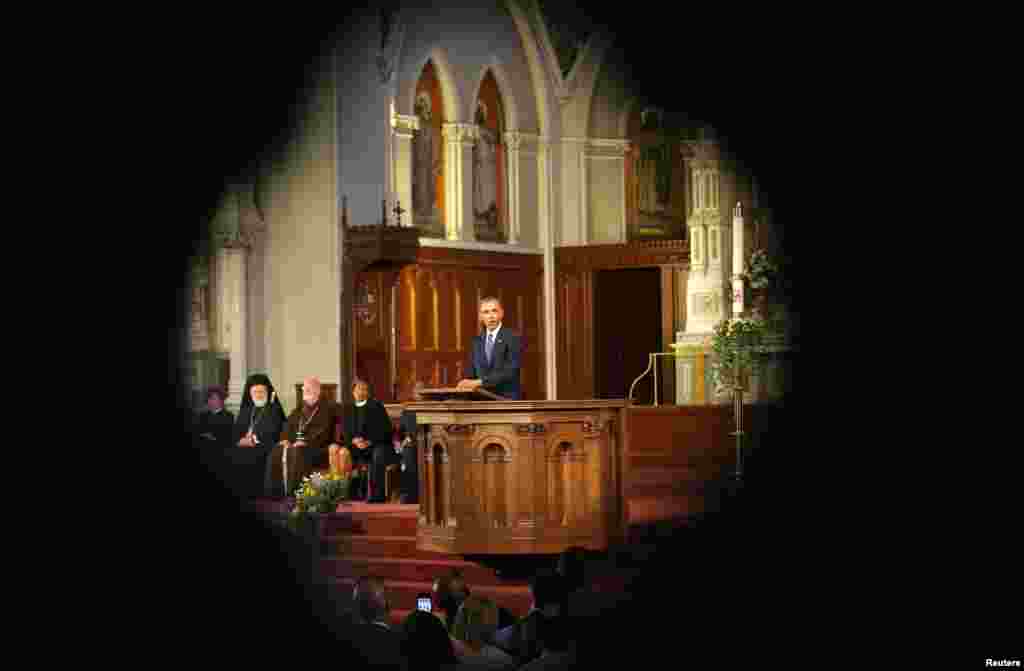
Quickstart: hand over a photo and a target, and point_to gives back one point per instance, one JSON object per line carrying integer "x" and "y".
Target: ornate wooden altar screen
{"x": 518, "y": 477}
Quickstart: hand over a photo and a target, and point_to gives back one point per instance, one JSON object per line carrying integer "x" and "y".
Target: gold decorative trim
{"x": 462, "y": 133}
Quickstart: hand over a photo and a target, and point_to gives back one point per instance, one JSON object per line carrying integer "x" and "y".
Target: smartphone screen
{"x": 423, "y": 604}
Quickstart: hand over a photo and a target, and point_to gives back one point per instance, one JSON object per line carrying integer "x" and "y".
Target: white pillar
{"x": 584, "y": 191}
{"x": 708, "y": 283}
{"x": 623, "y": 226}
{"x": 458, "y": 144}
{"x": 403, "y": 127}
{"x": 513, "y": 141}
{"x": 548, "y": 239}
{"x": 234, "y": 316}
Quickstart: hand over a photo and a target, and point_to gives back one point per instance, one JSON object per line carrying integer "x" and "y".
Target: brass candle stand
{"x": 651, "y": 358}
{"x": 737, "y": 397}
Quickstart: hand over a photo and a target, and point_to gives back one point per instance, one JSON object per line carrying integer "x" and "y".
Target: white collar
{"x": 360, "y": 404}
{"x": 495, "y": 331}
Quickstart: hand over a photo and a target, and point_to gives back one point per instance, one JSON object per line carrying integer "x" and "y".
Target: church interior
{"x": 378, "y": 177}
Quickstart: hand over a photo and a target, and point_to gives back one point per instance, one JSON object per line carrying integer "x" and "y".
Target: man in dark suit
{"x": 368, "y": 433}
{"x": 494, "y": 359}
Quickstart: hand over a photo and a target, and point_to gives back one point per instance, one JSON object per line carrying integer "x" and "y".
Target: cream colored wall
{"x": 300, "y": 276}
{"x": 604, "y": 213}
{"x": 593, "y": 176}
{"x": 609, "y": 98}
{"x": 572, "y": 192}
{"x": 528, "y": 199}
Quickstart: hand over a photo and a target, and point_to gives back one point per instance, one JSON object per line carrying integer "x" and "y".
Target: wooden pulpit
{"x": 518, "y": 477}
{"x": 456, "y": 394}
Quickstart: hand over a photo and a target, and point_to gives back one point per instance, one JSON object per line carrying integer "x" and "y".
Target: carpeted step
{"x": 378, "y": 546}
{"x": 410, "y": 569}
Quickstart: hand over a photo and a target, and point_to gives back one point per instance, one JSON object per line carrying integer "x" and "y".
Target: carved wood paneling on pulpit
{"x": 519, "y": 477}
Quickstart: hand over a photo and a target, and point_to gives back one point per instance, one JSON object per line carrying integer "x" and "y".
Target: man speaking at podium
{"x": 494, "y": 358}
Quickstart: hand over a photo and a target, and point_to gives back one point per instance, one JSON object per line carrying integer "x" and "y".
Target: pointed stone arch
{"x": 508, "y": 98}
{"x": 585, "y": 76}
{"x": 490, "y": 162}
{"x": 428, "y": 161}
{"x": 452, "y": 100}
{"x": 543, "y": 86}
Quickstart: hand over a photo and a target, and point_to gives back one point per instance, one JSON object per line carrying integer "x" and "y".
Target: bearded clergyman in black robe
{"x": 257, "y": 430}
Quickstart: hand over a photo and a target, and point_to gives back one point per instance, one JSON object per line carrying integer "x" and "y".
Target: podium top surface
{"x": 459, "y": 403}
{"x": 455, "y": 394}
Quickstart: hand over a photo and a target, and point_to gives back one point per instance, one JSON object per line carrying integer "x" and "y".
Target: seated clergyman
{"x": 214, "y": 424}
{"x": 368, "y": 430}
{"x": 311, "y": 430}
{"x": 257, "y": 428}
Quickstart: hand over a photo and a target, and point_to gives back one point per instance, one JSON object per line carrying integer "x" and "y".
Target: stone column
{"x": 237, "y": 226}
{"x": 624, "y": 231}
{"x": 403, "y": 126}
{"x": 548, "y": 239}
{"x": 708, "y": 286}
{"x": 458, "y": 145}
{"x": 199, "y": 322}
{"x": 346, "y": 281}
{"x": 513, "y": 142}
{"x": 233, "y": 258}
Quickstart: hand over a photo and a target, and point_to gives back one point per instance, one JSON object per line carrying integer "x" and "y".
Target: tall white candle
{"x": 737, "y": 260}
{"x": 737, "y": 240}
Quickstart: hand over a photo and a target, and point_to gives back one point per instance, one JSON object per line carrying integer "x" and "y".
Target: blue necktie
{"x": 489, "y": 348}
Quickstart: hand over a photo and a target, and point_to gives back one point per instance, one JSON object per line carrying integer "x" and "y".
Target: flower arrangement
{"x": 761, "y": 271}
{"x": 736, "y": 344}
{"x": 321, "y": 493}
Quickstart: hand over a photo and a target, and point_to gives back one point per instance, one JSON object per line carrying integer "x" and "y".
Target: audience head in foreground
{"x": 370, "y": 600}
{"x": 425, "y": 643}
